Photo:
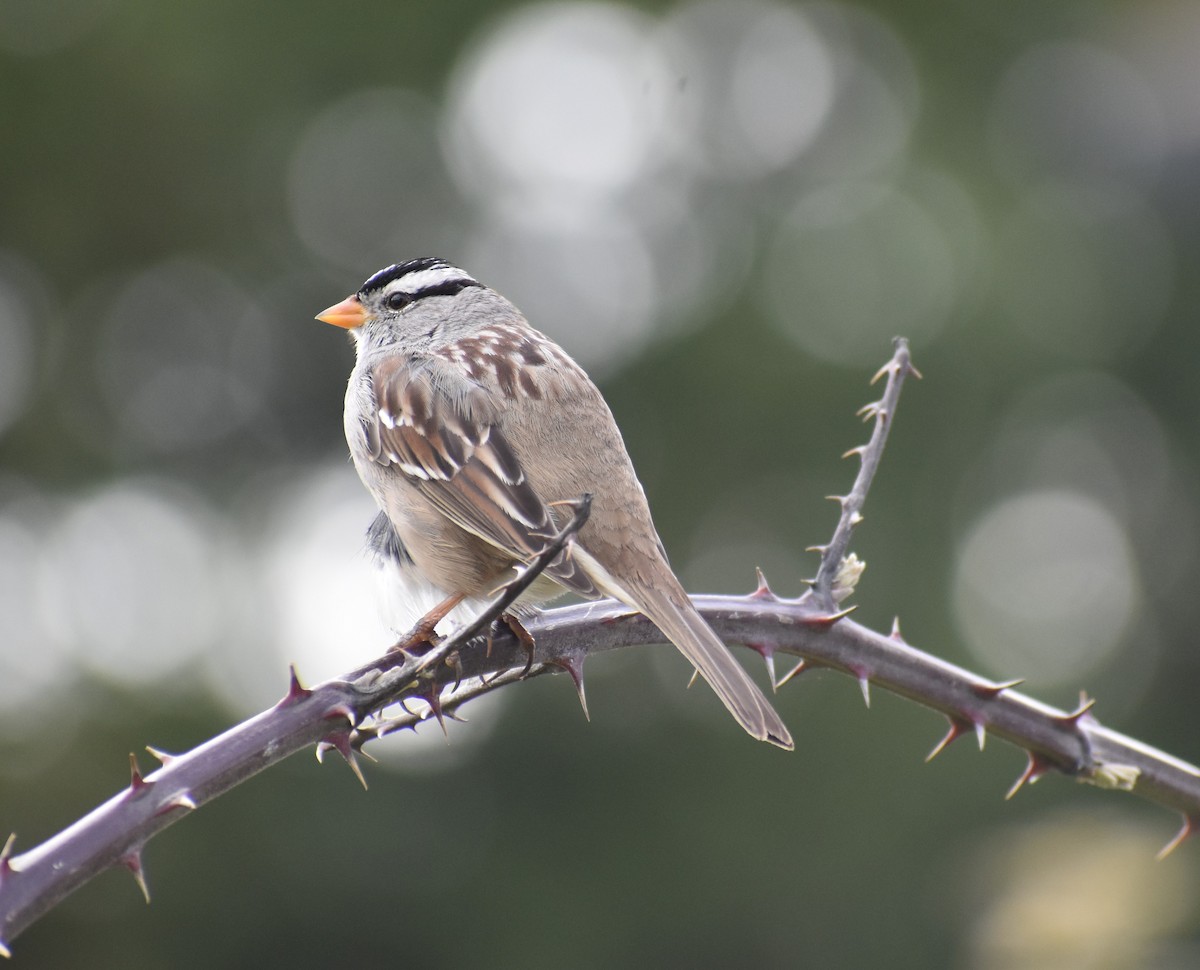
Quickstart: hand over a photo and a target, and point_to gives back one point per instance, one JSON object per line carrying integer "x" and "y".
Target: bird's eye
{"x": 397, "y": 301}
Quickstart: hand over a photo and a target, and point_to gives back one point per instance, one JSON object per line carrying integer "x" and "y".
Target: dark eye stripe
{"x": 399, "y": 299}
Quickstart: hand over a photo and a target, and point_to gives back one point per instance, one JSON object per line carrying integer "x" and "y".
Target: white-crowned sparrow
{"x": 467, "y": 425}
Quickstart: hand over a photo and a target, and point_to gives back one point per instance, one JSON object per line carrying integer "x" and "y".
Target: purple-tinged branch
{"x": 1071, "y": 742}
{"x": 869, "y": 455}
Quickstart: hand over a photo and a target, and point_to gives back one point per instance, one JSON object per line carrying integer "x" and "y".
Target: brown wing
{"x": 439, "y": 428}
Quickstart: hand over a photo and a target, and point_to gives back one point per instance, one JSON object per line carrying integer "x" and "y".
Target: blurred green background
{"x": 725, "y": 210}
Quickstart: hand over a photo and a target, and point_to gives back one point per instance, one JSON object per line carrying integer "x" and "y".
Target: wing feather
{"x": 438, "y": 427}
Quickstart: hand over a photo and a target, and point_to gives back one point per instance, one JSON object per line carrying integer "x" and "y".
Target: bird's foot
{"x": 524, "y": 638}
{"x": 425, "y": 631}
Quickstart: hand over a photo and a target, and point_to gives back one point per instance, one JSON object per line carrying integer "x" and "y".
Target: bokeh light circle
{"x": 756, "y": 84}
{"x": 561, "y": 97}
{"x": 31, "y": 666}
{"x": 1046, "y": 584}
{"x": 130, "y": 581}
{"x": 877, "y": 96}
{"x": 319, "y": 582}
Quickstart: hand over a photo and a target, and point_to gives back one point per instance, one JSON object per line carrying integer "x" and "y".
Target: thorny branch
{"x": 344, "y": 714}
{"x": 824, "y": 587}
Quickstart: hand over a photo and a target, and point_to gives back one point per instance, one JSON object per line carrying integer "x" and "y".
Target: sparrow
{"x": 468, "y": 426}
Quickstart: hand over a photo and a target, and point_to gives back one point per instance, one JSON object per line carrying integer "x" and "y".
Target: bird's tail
{"x": 674, "y": 614}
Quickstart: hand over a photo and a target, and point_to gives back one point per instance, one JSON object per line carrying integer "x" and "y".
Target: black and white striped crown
{"x": 419, "y": 278}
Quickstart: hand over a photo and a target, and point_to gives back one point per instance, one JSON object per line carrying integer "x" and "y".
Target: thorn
{"x": 162, "y": 756}
{"x": 296, "y": 691}
{"x": 860, "y": 451}
{"x": 840, "y": 499}
{"x": 370, "y": 732}
{"x": 864, "y": 684}
{"x": 340, "y": 742}
{"x": 133, "y": 862}
{"x": 767, "y": 652}
{"x": 357, "y": 743}
{"x": 5, "y": 855}
{"x": 990, "y": 691}
{"x": 801, "y": 666}
{"x": 1081, "y": 711}
{"x": 434, "y": 700}
{"x": 137, "y": 784}
{"x": 957, "y": 729}
{"x": 769, "y": 659}
{"x": 869, "y": 412}
{"x": 915, "y": 373}
{"x": 887, "y": 368}
{"x": 182, "y": 800}
{"x": 1186, "y": 832}
{"x": 1035, "y": 767}
{"x": 895, "y": 634}
{"x": 389, "y": 727}
{"x": 353, "y": 761}
{"x": 575, "y": 669}
{"x": 763, "y": 590}
{"x": 981, "y": 733}
{"x": 339, "y": 711}
{"x": 692, "y": 680}
{"x": 402, "y": 649}
{"x": 826, "y": 620}
{"x": 820, "y": 549}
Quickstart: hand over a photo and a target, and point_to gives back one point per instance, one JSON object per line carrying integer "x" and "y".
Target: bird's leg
{"x": 425, "y": 630}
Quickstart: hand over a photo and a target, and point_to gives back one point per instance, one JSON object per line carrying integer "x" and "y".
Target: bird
{"x": 471, "y": 429}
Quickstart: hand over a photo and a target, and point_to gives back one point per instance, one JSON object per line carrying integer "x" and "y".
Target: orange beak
{"x": 349, "y": 314}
